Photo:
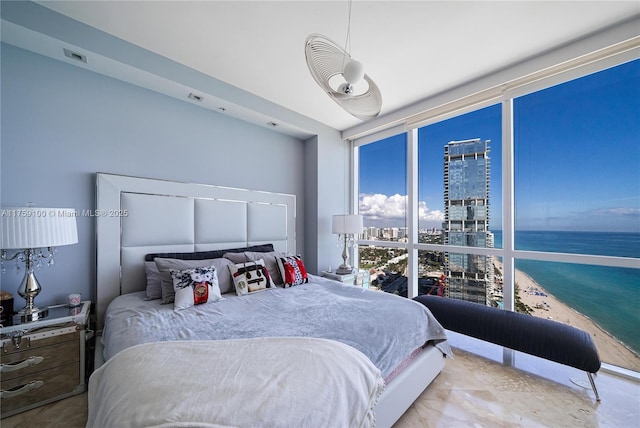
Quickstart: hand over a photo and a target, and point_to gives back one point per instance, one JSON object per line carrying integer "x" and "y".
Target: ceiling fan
{"x": 342, "y": 77}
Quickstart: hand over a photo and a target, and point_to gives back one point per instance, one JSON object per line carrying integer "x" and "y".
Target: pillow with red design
{"x": 195, "y": 287}
{"x": 292, "y": 270}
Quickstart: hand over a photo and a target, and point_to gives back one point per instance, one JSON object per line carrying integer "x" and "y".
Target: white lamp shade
{"x": 347, "y": 224}
{"x": 38, "y": 227}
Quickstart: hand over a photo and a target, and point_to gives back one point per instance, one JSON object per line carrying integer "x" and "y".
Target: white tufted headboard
{"x": 137, "y": 216}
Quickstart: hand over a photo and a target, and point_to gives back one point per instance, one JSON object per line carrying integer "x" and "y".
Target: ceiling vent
{"x": 196, "y": 97}
{"x": 74, "y": 55}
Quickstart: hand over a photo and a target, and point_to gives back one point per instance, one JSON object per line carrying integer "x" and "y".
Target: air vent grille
{"x": 74, "y": 55}
{"x": 196, "y": 97}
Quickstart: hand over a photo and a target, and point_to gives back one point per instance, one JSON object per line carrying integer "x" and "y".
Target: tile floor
{"x": 477, "y": 390}
{"x": 474, "y": 390}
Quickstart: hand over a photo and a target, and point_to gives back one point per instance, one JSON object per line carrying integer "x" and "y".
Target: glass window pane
{"x": 459, "y": 174}
{"x": 600, "y": 300}
{"x": 577, "y": 165}
{"x": 383, "y": 189}
{"x": 459, "y": 192}
{"x": 387, "y": 267}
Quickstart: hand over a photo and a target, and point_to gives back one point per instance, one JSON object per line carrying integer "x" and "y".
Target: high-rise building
{"x": 466, "y": 220}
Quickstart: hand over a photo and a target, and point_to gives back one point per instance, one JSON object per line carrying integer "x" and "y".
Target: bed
{"x": 147, "y": 221}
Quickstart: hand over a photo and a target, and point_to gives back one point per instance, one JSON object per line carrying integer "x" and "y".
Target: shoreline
{"x": 545, "y": 305}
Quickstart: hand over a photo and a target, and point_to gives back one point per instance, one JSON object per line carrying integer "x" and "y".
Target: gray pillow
{"x": 270, "y": 261}
{"x": 236, "y": 257}
{"x": 154, "y": 281}
{"x": 168, "y": 294}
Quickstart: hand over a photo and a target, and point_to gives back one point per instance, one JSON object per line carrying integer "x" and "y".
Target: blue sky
{"x": 577, "y": 154}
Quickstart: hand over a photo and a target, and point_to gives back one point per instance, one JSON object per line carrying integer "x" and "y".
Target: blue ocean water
{"x": 610, "y": 296}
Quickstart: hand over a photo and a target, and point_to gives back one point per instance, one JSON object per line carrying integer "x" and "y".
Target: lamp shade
{"x": 38, "y": 227}
{"x": 347, "y": 224}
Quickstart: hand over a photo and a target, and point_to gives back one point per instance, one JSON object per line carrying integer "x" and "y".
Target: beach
{"x": 545, "y": 305}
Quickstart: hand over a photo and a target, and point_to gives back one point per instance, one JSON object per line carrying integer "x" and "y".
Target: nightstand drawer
{"x": 35, "y": 388}
{"x": 37, "y": 358}
{"x": 19, "y": 341}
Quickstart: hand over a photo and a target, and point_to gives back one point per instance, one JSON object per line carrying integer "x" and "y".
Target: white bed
{"x": 143, "y": 216}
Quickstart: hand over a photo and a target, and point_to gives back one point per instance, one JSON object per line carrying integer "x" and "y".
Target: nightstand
{"x": 359, "y": 278}
{"x": 44, "y": 360}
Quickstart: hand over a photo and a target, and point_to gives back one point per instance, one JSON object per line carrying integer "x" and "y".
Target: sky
{"x": 577, "y": 159}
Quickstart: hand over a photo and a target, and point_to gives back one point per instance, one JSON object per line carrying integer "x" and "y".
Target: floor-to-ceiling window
{"x": 572, "y": 162}
{"x": 459, "y": 189}
{"x": 577, "y": 192}
{"x": 382, "y": 201}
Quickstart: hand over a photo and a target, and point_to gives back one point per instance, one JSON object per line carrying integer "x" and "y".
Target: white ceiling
{"x": 411, "y": 49}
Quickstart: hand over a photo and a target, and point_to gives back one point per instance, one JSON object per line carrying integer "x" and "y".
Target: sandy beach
{"x": 545, "y": 305}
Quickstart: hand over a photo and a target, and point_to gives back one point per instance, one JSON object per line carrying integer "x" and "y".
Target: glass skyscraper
{"x": 466, "y": 220}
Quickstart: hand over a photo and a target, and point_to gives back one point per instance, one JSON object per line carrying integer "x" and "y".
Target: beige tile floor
{"x": 477, "y": 390}
{"x": 474, "y": 390}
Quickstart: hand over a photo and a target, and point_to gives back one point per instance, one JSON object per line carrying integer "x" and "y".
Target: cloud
{"x": 615, "y": 212}
{"x": 382, "y": 207}
{"x": 606, "y": 219}
{"x": 429, "y": 215}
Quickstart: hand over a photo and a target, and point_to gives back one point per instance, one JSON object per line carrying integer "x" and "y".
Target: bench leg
{"x": 593, "y": 385}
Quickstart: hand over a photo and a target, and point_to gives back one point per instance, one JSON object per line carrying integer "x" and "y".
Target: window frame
{"x": 504, "y": 94}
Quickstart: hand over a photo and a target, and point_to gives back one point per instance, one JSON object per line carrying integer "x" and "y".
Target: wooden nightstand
{"x": 43, "y": 361}
{"x": 359, "y": 278}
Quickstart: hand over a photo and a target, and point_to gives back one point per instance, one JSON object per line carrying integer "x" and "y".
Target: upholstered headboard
{"x": 137, "y": 216}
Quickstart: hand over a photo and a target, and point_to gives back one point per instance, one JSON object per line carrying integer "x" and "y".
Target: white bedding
{"x": 261, "y": 382}
{"x": 385, "y": 328}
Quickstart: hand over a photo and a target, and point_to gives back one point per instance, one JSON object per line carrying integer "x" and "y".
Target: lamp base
{"x": 31, "y": 314}
{"x": 344, "y": 270}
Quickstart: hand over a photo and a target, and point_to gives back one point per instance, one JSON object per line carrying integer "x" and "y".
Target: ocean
{"x": 610, "y": 296}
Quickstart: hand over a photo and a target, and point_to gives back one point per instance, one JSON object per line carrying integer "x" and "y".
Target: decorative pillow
{"x": 195, "y": 286}
{"x": 154, "y": 281}
{"x": 236, "y": 257}
{"x": 292, "y": 270}
{"x": 164, "y": 265}
{"x": 250, "y": 277}
{"x": 270, "y": 261}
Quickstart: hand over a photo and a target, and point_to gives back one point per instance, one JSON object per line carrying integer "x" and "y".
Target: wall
{"x": 62, "y": 124}
{"x": 327, "y": 162}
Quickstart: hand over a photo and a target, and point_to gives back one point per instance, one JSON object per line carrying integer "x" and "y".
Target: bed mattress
{"x": 384, "y": 327}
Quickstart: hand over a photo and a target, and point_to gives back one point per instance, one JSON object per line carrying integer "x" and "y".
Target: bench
{"x": 541, "y": 337}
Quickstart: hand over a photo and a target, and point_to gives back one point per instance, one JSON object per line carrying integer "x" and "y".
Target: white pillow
{"x": 250, "y": 277}
{"x": 224, "y": 278}
{"x": 195, "y": 287}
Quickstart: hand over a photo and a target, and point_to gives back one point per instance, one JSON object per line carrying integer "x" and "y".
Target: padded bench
{"x": 543, "y": 338}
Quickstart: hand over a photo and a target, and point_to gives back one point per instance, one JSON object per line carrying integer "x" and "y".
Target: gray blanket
{"x": 384, "y": 327}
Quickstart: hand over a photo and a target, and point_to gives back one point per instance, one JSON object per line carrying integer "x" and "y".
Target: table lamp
{"x": 34, "y": 233}
{"x": 346, "y": 226}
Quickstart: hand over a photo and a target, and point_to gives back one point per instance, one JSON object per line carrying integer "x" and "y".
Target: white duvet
{"x": 261, "y": 382}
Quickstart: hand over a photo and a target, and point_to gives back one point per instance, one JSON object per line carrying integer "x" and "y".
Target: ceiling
{"x": 412, "y": 49}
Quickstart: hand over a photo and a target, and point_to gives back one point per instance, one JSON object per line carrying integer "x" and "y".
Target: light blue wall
{"x": 62, "y": 124}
